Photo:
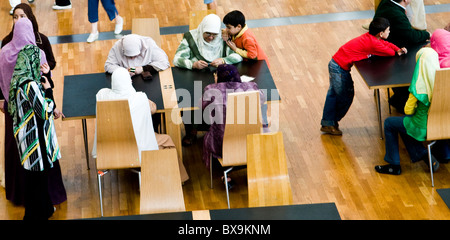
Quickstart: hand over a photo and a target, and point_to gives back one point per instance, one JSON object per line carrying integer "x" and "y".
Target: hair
{"x": 228, "y": 73}
{"x": 378, "y": 25}
{"x": 29, "y": 12}
{"x": 234, "y": 18}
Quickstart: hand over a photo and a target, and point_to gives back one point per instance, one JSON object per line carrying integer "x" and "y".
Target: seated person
{"x": 203, "y": 46}
{"x": 240, "y": 38}
{"x": 413, "y": 127}
{"x": 140, "y": 110}
{"x": 440, "y": 42}
{"x": 227, "y": 80}
{"x": 138, "y": 54}
{"x": 403, "y": 34}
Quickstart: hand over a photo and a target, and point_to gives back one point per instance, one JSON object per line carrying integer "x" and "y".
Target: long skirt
{"x": 15, "y": 173}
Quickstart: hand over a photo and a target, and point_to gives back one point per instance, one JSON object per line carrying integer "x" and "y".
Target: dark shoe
{"x": 189, "y": 139}
{"x": 434, "y": 161}
{"x": 389, "y": 169}
{"x": 230, "y": 182}
{"x": 332, "y": 130}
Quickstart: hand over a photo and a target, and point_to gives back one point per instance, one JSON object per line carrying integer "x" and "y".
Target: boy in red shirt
{"x": 239, "y": 37}
{"x": 341, "y": 91}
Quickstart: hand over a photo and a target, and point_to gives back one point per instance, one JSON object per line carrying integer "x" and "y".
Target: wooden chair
{"x": 267, "y": 173}
{"x": 147, "y": 27}
{"x": 243, "y": 117}
{"x": 161, "y": 189}
{"x": 116, "y": 143}
{"x": 196, "y": 17}
{"x": 438, "y": 125}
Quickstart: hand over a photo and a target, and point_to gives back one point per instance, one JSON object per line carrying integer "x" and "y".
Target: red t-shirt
{"x": 363, "y": 47}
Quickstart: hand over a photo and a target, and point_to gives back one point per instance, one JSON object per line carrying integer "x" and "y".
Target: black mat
{"x": 445, "y": 195}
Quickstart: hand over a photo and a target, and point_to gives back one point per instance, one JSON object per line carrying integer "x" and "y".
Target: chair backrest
{"x": 161, "y": 189}
{"x": 196, "y": 17}
{"x": 148, "y": 27}
{"x": 267, "y": 173}
{"x": 438, "y": 126}
{"x": 116, "y": 143}
{"x": 243, "y": 117}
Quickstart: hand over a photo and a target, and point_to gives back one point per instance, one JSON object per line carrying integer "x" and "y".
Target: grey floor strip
{"x": 257, "y": 23}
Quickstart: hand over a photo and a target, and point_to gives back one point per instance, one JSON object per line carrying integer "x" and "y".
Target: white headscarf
{"x": 212, "y": 50}
{"x": 141, "y": 117}
{"x": 143, "y": 49}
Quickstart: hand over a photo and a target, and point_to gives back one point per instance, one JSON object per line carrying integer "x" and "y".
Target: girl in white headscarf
{"x": 140, "y": 110}
{"x": 203, "y": 46}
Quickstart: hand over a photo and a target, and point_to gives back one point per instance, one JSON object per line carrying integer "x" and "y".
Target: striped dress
{"x": 32, "y": 105}
{"x": 32, "y": 111}
{"x": 185, "y": 56}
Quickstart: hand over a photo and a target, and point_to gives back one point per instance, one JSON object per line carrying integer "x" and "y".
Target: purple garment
{"x": 23, "y": 35}
{"x": 213, "y": 139}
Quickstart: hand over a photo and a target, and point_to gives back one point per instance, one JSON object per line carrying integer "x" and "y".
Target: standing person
{"x": 111, "y": 10}
{"x": 404, "y": 35}
{"x": 341, "y": 92}
{"x": 210, "y": 4}
{"x": 62, "y": 4}
{"x": 31, "y": 106}
{"x": 412, "y": 128}
{"x": 23, "y": 35}
{"x": 24, "y": 10}
{"x": 239, "y": 37}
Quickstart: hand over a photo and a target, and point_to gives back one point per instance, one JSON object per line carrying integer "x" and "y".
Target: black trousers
{"x": 62, "y": 2}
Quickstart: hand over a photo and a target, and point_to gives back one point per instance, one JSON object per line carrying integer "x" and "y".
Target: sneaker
{"x": 92, "y": 37}
{"x": 332, "y": 130}
{"x": 389, "y": 169}
{"x": 119, "y": 26}
{"x": 56, "y": 7}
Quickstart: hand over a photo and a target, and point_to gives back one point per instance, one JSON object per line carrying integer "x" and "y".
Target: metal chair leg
{"x": 99, "y": 178}
{"x": 225, "y": 180}
{"x": 100, "y": 174}
{"x": 431, "y": 164}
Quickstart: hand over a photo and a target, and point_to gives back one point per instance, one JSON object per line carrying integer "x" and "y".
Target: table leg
{"x": 389, "y": 97}
{"x": 377, "y": 101}
{"x": 86, "y": 145}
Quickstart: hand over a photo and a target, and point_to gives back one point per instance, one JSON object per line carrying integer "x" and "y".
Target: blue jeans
{"x": 393, "y": 126}
{"x": 340, "y": 95}
{"x": 108, "y": 5}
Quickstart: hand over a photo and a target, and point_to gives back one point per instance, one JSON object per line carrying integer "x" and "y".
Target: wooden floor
{"x": 322, "y": 168}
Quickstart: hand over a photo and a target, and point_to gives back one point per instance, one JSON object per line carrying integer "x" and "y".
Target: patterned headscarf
{"x": 27, "y": 69}
{"x": 228, "y": 73}
{"x": 427, "y": 62}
